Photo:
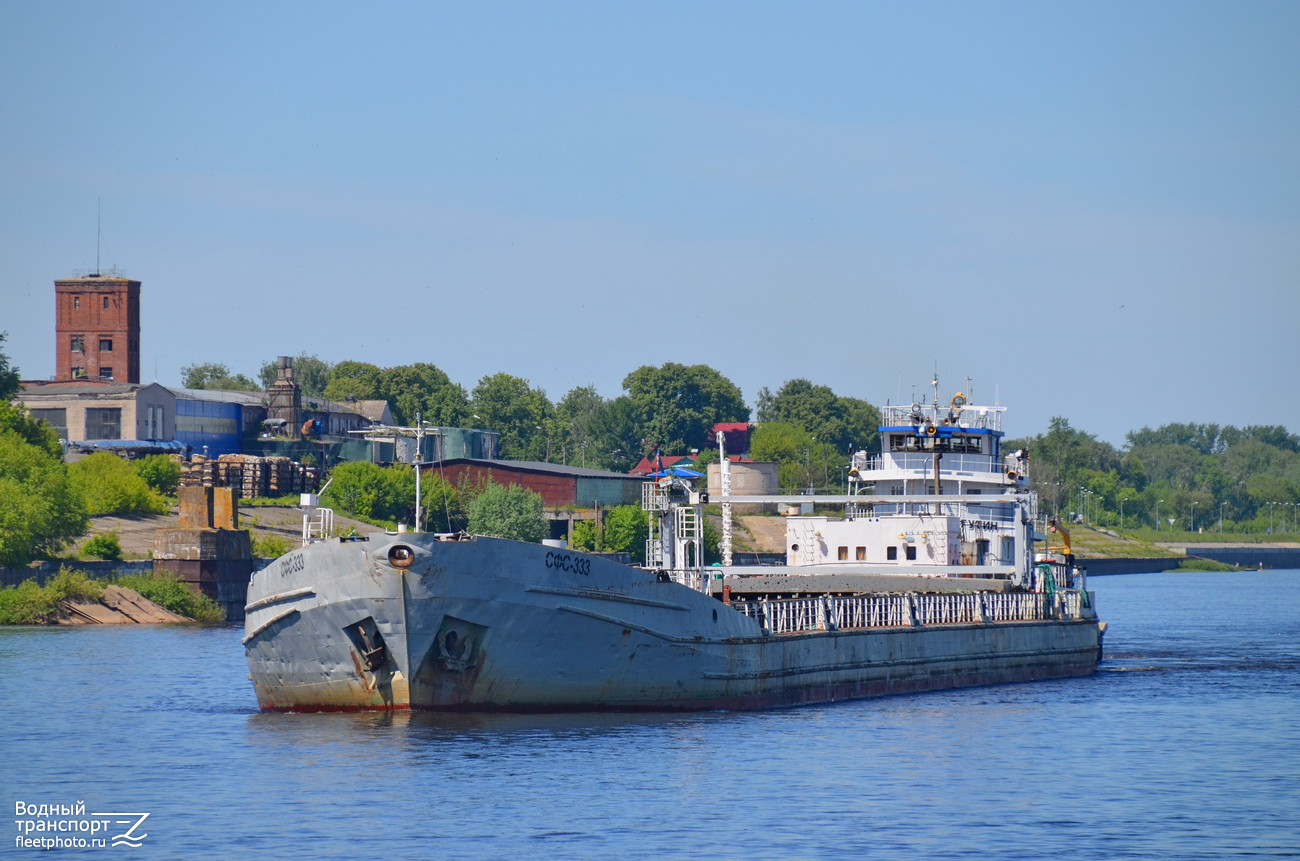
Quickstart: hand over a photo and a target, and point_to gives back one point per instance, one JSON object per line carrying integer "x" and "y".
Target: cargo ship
{"x": 923, "y": 574}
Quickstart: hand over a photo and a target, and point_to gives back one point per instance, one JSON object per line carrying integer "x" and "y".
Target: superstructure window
{"x": 105, "y": 345}
{"x": 862, "y": 554}
{"x": 911, "y": 551}
{"x": 843, "y": 554}
{"x": 891, "y": 553}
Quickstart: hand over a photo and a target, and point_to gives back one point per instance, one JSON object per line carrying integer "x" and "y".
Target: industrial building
{"x": 97, "y": 328}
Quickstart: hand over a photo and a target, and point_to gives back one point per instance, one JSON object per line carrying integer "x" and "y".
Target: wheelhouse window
{"x": 968, "y": 444}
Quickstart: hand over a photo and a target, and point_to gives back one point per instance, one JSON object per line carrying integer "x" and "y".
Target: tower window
{"x": 105, "y": 303}
{"x": 105, "y": 345}
{"x": 106, "y": 373}
{"x": 76, "y": 303}
{"x": 78, "y": 345}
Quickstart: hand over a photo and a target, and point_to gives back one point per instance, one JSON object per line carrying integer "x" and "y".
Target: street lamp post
{"x": 1121, "y": 514}
{"x": 1221, "y": 504}
{"x": 1193, "y": 529}
{"x": 1158, "y": 501}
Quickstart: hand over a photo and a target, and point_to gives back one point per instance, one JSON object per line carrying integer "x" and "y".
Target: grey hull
{"x": 489, "y": 624}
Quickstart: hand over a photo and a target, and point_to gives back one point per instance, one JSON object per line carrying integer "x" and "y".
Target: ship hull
{"x": 491, "y": 625}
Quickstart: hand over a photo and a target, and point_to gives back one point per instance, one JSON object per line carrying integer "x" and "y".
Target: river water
{"x": 1185, "y": 745}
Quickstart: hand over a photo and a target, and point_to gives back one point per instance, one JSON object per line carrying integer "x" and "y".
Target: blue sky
{"x": 1092, "y": 209}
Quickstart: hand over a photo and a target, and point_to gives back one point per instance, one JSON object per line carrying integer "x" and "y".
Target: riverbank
{"x": 73, "y": 598}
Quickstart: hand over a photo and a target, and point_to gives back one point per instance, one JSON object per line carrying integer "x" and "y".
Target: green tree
{"x": 677, "y": 405}
{"x": 846, "y": 424}
{"x": 804, "y": 462}
{"x": 507, "y": 512}
{"x": 626, "y": 529}
{"x": 311, "y": 372}
{"x": 441, "y": 504}
{"x": 622, "y": 529}
{"x": 40, "y": 508}
{"x": 424, "y": 389}
{"x": 508, "y": 405}
{"x": 576, "y": 418}
{"x": 215, "y": 376}
{"x": 358, "y": 380}
{"x": 33, "y": 431}
{"x": 617, "y": 441}
{"x": 111, "y": 485}
{"x": 9, "y": 379}
{"x": 372, "y": 492}
{"x": 160, "y": 472}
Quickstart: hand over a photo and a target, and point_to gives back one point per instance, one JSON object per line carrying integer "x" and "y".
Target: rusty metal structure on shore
{"x": 208, "y": 551}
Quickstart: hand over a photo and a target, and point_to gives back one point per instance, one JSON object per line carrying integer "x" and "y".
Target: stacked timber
{"x": 250, "y": 475}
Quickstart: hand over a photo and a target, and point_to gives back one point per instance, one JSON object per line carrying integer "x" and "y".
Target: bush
{"x": 40, "y": 509}
{"x": 161, "y": 472}
{"x": 167, "y": 591}
{"x": 31, "y": 604}
{"x": 268, "y": 545}
{"x": 111, "y": 485}
{"x": 386, "y": 495}
{"x": 625, "y": 530}
{"x": 508, "y": 512}
{"x": 1196, "y": 564}
{"x": 25, "y": 604}
{"x": 105, "y": 545}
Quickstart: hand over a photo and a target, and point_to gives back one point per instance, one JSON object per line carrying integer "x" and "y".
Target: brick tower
{"x": 97, "y": 328}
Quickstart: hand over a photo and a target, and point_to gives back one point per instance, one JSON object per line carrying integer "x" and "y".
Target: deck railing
{"x": 828, "y": 613}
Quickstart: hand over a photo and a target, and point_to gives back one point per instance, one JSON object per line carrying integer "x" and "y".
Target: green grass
{"x": 1205, "y": 565}
{"x": 1174, "y": 536}
{"x": 268, "y": 545}
{"x": 31, "y": 604}
{"x": 167, "y": 591}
